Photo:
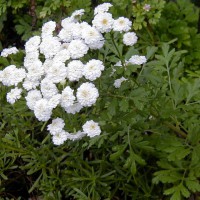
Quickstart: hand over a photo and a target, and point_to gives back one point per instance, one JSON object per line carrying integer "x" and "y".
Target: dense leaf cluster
{"x": 150, "y": 143}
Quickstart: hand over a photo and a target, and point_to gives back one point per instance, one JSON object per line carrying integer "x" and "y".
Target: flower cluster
{"x": 54, "y": 60}
{"x": 8, "y": 51}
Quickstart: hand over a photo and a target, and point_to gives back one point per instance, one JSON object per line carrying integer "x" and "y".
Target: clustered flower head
{"x": 8, "y": 51}
{"x": 54, "y": 60}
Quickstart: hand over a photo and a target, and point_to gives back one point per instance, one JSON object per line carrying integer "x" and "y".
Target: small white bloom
{"x": 32, "y": 97}
{"x": 56, "y": 126}
{"x": 32, "y": 44}
{"x": 35, "y": 72}
{"x": 92, "y": 69}
{"x": 54, "y": 101}
{"x": 77, "y": 49}
{"x": 77, "y": 14}
{"x": 62, "y": 56}
{"x": 60, "y": 138}
{"x": 73, "y": 109}
{"x": 65, "y": 34}
{"x": 102, "y": 8}
{"x": 48, "y": 88}
{"x": 50, "y": 46}
{"x": 87, "y": 94}
{"x": 77, "y": 31}
{"x": 8, "y": 51}
{"x": 122, "y": 24}
{"x": 96, "y": 45}
{"x": 14, "y": 95}
{"x": 42, "y": 110}
{"x": 75, "y": 70}
{"x": 56, "y": 72}
{"x": 32, "y": 59}
{"x": 91, "y": 128}
{"x": 92, "y": 37}
{"x": 103, "y": 22}
{"x": 119, "y": 81}
{"x": 12, "y": 75}
{"x": 137, "y": 60}
{"x": 67, "y": 97}
{"x": 29, "y": 84}
{"x": 65, "y": 22}
{"x": 130, "y": 38}
{"x": 77, "y": 136}
{"x": 48, "y": 28}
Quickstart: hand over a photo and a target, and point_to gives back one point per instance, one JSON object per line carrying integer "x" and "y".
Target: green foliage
{"x": 144, "y": 18}
{"x": 150, "y": 144}
{"x": 180, "y": 20}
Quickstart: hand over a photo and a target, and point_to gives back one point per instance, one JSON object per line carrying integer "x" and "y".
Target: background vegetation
{"x": 150, "y": 145}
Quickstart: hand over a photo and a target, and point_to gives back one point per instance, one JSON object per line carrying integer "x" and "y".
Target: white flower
{"x": 87, "y": 94}
{"x": 130, "y": 38}
{"x": 92, "y": 69}
{"x": 35, "y": 72}
{"x": 147, "y": 7}
{"x": 73, "y": 109}
{"x": 32, "y": 97}
{"x": 77, "y": 136}
{"x": 62, "y": 56}
{"x": 137, "y": 60}
{"x": 65, "y": 22}
{"x": 48, "y": 88}
{"x": 42, "y": 110}
{"x": 12, "y": 75}
{"x": 75, "y": 70}
{"x": 8, "y": 51}
{"x": 103, "y": 22}
{"x": 122, "y": 24}
{"x": 91, "y": 128}
{"x": 48, "y": 28}
{"x": 32, "y": 59}
{"x": 14, "y": 95}
{"x": 77, "y": 49}
{"x": 77, "y": 31}
{"x": 32, "y": 44}
{"x": 29, "y": 84}
{"x": 96, "y": 45}
{"x": 65, "y": 34}
{"x": 93, "y": 38}
{"x": 102, "y": 8}
{"x": 119, "y": 81}
{"x": 54, "y": 101}
{"x": 78, "y": 13}
{"x": 60, "y": 138}
{"x": 67, "y": 97}
{"x": 56, "y": 126}
{"x": 50, "y": 46}
{"x": 56, "y": 72}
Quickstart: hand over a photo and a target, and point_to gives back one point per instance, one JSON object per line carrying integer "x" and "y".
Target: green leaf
{"x": 36, "y": 183}
{"x": 178, "y": 154}
{"x": 133, "y": 168}
{"x": 151, "y": 51}
{"x": 124, "y": 105}
{"x": 176, "y": 196}
{"x": 193, "y": 185}
{"x": 120, "y": 149}
{"x": 112, "y": 108}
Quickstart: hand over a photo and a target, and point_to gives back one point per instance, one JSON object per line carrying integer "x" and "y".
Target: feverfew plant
{"x": 62, "y": 69}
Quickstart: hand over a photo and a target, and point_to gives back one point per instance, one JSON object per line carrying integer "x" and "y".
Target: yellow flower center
{"x": 105, "y": 21}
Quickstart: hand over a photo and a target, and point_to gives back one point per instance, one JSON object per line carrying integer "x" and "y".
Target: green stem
{"x": 172, "y": 127}
{"x": 119, "y": 55}
{"x": 176, "y": 129}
